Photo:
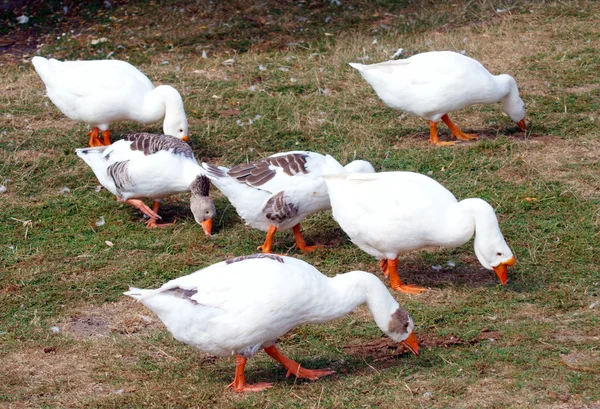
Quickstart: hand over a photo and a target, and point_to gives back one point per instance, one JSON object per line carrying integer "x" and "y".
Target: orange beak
{"x": 185, "y": 138}
{"x": 521, "y": 124}
{"x": 411, "y": 343}
{"x": 502, "y": 269}
{"x": 207, "y": 226}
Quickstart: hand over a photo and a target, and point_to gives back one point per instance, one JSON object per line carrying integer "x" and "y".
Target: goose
{"x": 430, "y": 85}
{"x": 389, "y": 214}
{"x": 242, "y": 305}
{"x": 152, "y": 166}
{"x": 278, "y": 192}
{"x": 99, "y": 92}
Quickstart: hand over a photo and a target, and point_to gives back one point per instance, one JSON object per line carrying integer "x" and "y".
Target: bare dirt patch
{"x": 125, "y": 317}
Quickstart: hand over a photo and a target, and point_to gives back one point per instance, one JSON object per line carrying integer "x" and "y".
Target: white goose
{"x": 103, "y": 91}
{"x": 388, "y": 214}
{"x": 278, "y": 192}
{"x": 239, "y": 306}
{"x": 432, "y": 84}
{"x": 152, "y": 166}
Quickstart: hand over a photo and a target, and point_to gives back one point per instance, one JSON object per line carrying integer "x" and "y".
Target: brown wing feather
{"x": 152, "y": 143}
{"x": 277, "y": 209}
{"x": 260, "y": 172}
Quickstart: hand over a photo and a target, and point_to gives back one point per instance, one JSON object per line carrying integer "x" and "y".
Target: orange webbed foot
{"x": 310, "y": 374}
{"x": 153, "y": 225}
{"x": 257, "y": 387}
{"x": 409, "y": 289}
{"x": 308, "y": 249}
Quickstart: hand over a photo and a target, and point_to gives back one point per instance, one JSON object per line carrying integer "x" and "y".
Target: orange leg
{"x": 239, "y": 382}
{"x": 94, "y": 140}
{"x": 456, "y": 132}
{"x": 433, "y": 136}
{"x": 106, "y": 137}
{"x": 294, "y": 367}
{"x": 152, "y": 222}
{"x": 268, "y": 245}
{"x": 396, "y": 283}
{"x": 383, "y": 267}
{"x": 301, "y": 244}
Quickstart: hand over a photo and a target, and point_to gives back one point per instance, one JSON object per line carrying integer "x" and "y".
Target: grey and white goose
{"x": 152, "y": 166}
{"x": 279, "y": 191}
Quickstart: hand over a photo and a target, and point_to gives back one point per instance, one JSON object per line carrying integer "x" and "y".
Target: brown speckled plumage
{"x": 260, "y": 172}
{"x": 119, "y": 174}
{"x": 152, "y": 143}
{"x": 251, "y": 256}
{"x": 277, "y": 209}
{"x": 200, "y": 186}
{"x": 399, "y": 322}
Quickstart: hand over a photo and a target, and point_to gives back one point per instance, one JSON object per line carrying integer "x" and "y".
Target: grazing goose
{"x": 152, "y": 166}
{"x": 103, "y": 91}
{"x": 278, "y": 192}
{"x": 239, "y": 306}
{"x": 430, "y": 85}
{"x": 388, "y": 214}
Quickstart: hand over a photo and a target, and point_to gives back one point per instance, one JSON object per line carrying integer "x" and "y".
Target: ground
{"x": 259, "y": 78}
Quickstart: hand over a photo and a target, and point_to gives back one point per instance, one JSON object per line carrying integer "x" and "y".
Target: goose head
{"x": 201, "y": 205}
{"x": 512, "y": 104}
{"x": 401, "y": 329}
{"x": 494, "y": 254}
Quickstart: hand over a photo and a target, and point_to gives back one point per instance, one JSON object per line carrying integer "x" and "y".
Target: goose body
{"x": 100, "y": 92}
{"x": 279, "y": 191}
{"x": 431, "y": 85}
{"x": 388, "y": 214}
{"x": 242, "y": 305}
{"x": 151, "y": 166}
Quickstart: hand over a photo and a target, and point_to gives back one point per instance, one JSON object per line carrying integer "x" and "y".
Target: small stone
{"x": 398, "y": 53}
{"x": 100, "y": 222}
{"x": 55, "y": 330}
{"x": 2, "y": 188}
{"x": 109, "y": 243}
{"x": 451, "y": 264}
{"x": 204, "y": 55}
{"x": 23, "y": 19}
{"x": 436, "y": 267}
{"x": 98, "y": 188}
{"x": 262, "y": 68}
{"x": 428, "y": 395}
{"x": 63, "y": 190}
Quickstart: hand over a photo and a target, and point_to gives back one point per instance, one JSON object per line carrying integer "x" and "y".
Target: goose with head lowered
{"x": 100, "y": 92}
{"x": 152, "y": 166}
{"x": 242, "y": 305}
{"x": 388, "y": 214}
{"x": 430, "y": 85}
{"x": 278, "y": 192}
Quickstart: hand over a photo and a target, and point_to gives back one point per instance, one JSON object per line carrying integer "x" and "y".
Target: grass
{"x": 533, "y": 343}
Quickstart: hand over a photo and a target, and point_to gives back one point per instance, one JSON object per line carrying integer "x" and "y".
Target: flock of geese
{"x": 242, "y": 305}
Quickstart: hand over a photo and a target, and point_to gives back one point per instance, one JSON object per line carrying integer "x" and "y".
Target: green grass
{"x": 57, "y": 270}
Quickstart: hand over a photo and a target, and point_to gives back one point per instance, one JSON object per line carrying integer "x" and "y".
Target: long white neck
{"x": 471, "y": 216}
{"x": 162, "y": 101}
{"x": 512, "y": 104}
{"x": 355, "y": 288}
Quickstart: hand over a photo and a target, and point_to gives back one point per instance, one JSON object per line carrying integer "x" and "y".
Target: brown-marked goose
{"x": 242, "y": 305}
{"x": 431, "y": 85}
{"x": 100, "y": 92}
{"x": 152, "y": 166}
{"x": 278, "y": 192}
{"x": 388, "y": 214}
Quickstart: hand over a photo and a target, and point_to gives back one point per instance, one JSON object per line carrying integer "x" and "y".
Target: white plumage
{"x": 241, "y": 305}
{"x": 431, "y": 85}
{"x": 278, "y": 192}
{"x": 151, "y": 166}
{"x": 100, "y": 92}
{"x": 388, "y": 214}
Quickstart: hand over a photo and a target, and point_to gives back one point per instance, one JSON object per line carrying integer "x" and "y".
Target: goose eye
{"x": 206, "y": 212}
{"x": 181, "y": 130}
{"x": 498, "y": 254}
